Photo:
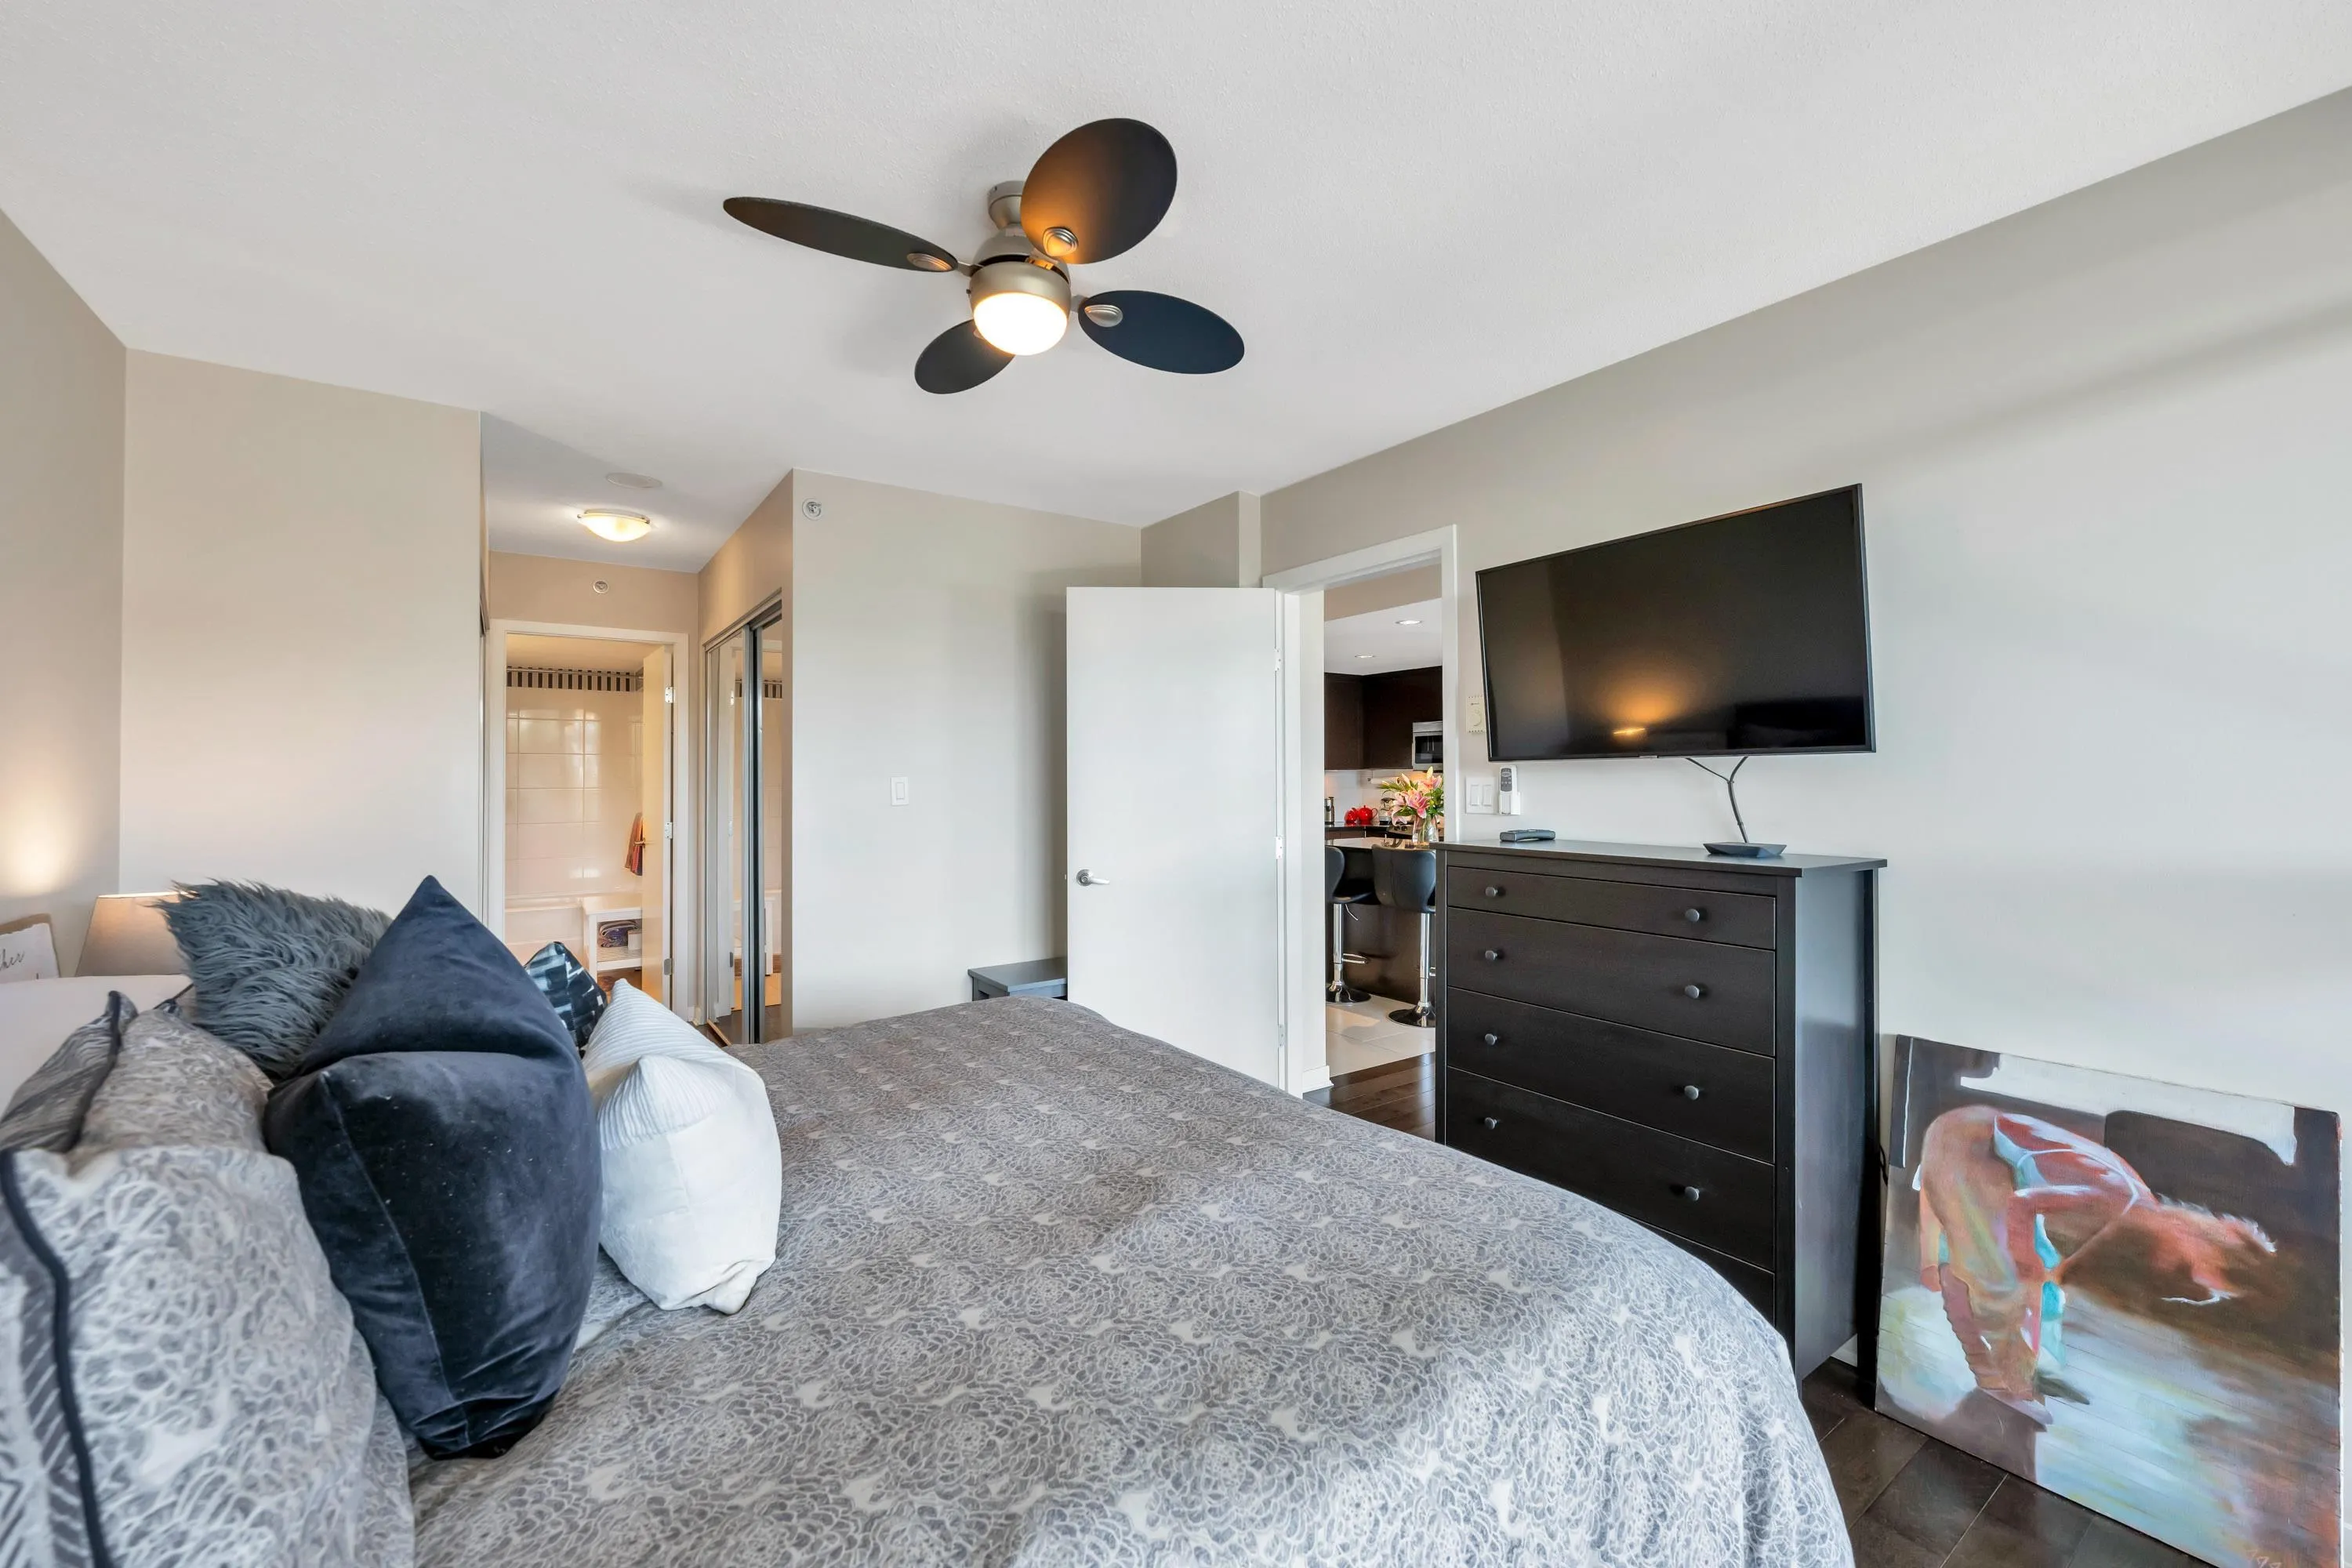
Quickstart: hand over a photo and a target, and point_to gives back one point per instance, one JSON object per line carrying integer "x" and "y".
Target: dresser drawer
{"x": 1701, "y": 990}
{"x": 1755, "y": 1284}
{"x": 1746, "y": 919}
{"x": 1716, "y": 1199}
{"x": 1626, "y": 1072}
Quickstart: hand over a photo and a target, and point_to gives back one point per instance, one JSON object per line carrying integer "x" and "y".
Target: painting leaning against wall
{"x": 2123, "y": 1291}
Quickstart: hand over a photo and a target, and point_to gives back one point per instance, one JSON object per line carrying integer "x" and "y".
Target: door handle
{"x": 1088, "y": 880}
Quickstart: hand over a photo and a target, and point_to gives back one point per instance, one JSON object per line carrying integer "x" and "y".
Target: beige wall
{"x": 1214, "y": 545}
{"x": 301, "y": 604}
{"x": 2109, "y": 491}
{"x": 60, "y": 597}
{"x": 1415, "y": 586}
{"x": 635, "y": 598}
{"x": 928, "y": 638}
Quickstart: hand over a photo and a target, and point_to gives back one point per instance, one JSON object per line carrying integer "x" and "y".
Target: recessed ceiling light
{"x": 635, "y": 481}
{"x": 1411, "y": 623}
{"x": 620, "y": 527}
{"x": 1363, "y": 655}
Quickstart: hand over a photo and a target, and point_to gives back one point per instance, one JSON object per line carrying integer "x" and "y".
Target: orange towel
{"x": 635, "y": 858}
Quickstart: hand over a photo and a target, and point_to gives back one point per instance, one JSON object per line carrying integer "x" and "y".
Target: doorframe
{"x": 1305, "y": 916}
{"x": 684, "y": 927}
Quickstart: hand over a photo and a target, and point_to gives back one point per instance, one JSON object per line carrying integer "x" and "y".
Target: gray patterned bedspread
{"x": 1050, "y": 1292}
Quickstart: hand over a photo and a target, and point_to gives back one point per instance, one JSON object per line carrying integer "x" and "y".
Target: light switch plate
{"x": 1481, "y": 794}
{"x": 898, "y": 792}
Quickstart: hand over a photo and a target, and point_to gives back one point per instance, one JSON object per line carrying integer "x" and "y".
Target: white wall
{"x": 301, "y": 634}
{"x": 60, "y": 597}
{"x": 927, "y": 644}
{"x": 1214, "y": 545}
{"x": 2108, "y": 474}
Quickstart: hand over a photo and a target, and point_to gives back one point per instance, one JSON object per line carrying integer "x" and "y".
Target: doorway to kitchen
{"x": 1383, "y": 770}
{"x": 1370, "y": 657}
{"x": 584, "y": 766}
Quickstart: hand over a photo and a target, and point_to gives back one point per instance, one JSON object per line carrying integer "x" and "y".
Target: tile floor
{"x": 1361, "y": 1035}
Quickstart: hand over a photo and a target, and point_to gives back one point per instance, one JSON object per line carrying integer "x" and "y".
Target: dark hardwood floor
{"x": 1402, "y": 1095}
{"x": 1913, "y": 1503}
{"x": 1910, "y": 1501}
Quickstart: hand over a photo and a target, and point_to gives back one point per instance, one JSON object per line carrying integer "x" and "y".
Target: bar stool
{"x": 1407, "y": 879}
{"x": 1340, "y": 890}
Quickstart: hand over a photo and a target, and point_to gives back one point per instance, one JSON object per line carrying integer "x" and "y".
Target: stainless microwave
{"x": 1428, "y": 747}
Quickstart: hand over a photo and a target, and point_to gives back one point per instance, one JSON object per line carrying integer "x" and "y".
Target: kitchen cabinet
{"x": 1343, "y": 723}
{"x": 1393, "y": 704}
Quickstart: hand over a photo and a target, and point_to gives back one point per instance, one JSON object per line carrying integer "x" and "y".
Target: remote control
{"x": 1527, "y": 834}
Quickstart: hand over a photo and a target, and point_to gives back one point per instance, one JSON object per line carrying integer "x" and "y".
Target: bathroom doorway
{"x": 586, "y": 772}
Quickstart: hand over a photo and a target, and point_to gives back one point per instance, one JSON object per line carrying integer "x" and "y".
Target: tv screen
{"x": 1740, "y": 634}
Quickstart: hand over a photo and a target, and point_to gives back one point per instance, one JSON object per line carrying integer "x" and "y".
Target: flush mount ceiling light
{"x": 620, "y": 527}
{"x": 1411, "y": 623}
{"x": 1093, "y": 194}
{"x": 1363, "y": 655}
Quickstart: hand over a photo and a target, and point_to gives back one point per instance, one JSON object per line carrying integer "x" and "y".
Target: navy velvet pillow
{"x": 447, "y": 1145}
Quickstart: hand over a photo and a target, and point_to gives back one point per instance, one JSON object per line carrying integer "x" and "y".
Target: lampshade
{"x": 128, "y": 936}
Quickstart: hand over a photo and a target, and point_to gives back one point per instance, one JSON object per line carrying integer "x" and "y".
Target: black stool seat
{"x": 1406, "y": 878}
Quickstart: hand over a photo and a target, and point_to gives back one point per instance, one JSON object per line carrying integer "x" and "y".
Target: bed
{"x": 1050, "y": 1292}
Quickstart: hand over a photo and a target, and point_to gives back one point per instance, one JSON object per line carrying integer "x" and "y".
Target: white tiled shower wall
{"x": 572, "y": 791}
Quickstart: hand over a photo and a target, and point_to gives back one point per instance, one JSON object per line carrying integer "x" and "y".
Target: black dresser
{"x": 1683, "y": 1038}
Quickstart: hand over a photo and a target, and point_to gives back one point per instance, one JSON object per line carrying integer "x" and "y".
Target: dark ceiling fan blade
{"x": 1098, "y": 191}
{"x": 959, "y": 360}
{"x": 821, "y": 228}
{"x": 1163, "y": 332}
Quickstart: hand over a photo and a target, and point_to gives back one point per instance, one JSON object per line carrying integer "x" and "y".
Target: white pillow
{"x": 35, "y": 1015}
{"x": 694, "y": 1178}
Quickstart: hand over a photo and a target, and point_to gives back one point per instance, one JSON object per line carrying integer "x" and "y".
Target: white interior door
{"x": 1174, "y": 814}
{"x": 654, "y": 742}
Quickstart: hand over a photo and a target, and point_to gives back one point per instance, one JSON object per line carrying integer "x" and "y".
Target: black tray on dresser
{"x": 1686, "y": 1038}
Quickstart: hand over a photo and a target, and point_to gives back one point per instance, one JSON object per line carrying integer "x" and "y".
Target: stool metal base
{"x": 1344, "y": 995}
{"x": 1416, "y": 1018}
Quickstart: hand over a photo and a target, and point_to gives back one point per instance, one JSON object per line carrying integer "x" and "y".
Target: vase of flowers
{"x": 1418, "y": 799}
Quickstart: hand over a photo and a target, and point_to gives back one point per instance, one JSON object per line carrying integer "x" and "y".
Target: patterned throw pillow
{"x": 182, "y": 1383}
{"x": 568, "y": 988}
{"x": 48, "y": 1106}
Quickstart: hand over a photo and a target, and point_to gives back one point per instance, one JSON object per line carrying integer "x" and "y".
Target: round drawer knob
{"x": 1492, "y": 1039}
{"x": 1693, "y": 916}
{"x": 1497, "y": 1121}
{"x": 1691, "y": 1091}
{"x": 1493, "y": 955}
{"x": 1694, "y": 992}
{"x": 1493, "y": 892}
{"x": 1689, "y": 1195}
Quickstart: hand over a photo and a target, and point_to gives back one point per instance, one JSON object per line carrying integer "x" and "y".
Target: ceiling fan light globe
{"x": 1020, "y": 323}
{"x": 1020, "y": 309}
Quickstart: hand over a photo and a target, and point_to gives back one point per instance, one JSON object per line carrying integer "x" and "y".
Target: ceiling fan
{"x": 1094, "y": 194}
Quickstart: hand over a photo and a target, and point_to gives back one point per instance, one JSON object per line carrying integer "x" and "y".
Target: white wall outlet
{"x": 898, "y": 792}
{"x": 1479, "y": 794}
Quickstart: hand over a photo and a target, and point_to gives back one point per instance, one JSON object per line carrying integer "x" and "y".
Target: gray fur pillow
{"x": 270, "y": 967}
{"x": 184, "y": 1384}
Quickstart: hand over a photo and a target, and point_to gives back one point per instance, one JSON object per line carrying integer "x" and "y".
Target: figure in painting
{"x": 2008, "y": 1204}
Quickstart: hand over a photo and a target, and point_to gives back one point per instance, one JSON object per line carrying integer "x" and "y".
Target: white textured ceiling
{"x": 1413, "y": 209}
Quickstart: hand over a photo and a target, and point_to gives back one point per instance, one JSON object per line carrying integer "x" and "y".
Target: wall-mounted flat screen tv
{"x": 1739, "y": 634}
